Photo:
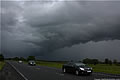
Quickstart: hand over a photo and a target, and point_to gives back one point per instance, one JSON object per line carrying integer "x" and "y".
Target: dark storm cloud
{"x": 49, "y": 26}
{"x": 102, "y": 49}
{"x": 9, "y": 14}
{"x": 69, "y": 23}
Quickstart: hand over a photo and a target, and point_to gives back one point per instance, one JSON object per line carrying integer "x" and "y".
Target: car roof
{"x": 76, "y": 63}
{"x": 79, "y": 63}
{"x": 31, "y": 61}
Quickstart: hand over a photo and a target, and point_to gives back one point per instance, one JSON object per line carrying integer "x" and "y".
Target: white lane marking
{"x": 19, "y": 72}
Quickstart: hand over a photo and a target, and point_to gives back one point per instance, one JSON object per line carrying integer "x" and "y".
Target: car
{"x": 19, "y": 61}
{"x": 32, "y": 63}
{"x": 77, "y": 68}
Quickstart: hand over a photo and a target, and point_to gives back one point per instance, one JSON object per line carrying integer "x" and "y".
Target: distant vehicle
{"x": 77, "y": 68}
{"x": 32, "y": 63}
{"x": 19, "y": 61}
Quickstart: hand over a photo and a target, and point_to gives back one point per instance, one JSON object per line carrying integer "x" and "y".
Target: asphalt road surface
{"x": 49, "y": 73}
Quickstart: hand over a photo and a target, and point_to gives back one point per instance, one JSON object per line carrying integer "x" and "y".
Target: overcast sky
{"x": 60, "y": 29}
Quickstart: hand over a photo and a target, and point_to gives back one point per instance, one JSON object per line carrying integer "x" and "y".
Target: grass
{"x": 2, "y": 64}
{"x": 106, "y": 68}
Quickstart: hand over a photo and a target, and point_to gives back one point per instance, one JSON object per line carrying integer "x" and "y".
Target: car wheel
{"x": 64, "y": 70}
{"x": 77, "y": 72}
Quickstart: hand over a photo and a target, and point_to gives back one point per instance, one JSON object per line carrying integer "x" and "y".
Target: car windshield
{"x": 80, "y": 64}
{"x": 32, "y": 61}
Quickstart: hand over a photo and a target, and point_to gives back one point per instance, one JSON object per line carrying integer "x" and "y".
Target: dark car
{"x": 77, "y": 68}
{"x": 32, "y": 63}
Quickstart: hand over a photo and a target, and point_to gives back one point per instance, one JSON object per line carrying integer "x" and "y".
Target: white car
{"x": 19, "y": 61}
{"x": 32, "y": 63}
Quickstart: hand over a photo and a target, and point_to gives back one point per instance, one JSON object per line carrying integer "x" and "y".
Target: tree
{"x": 95, "y": 61}
{"x": 23, "y": 59}
{"x": 16, "y": 58}
{"x": 115, "y": 61}
{"x": 110, "y": 62}
{"x": 1, "y": 57}
{"x": 90, "y": 61}
{"x": 71, "y": 61}
{"x": 87, "y": 61}
{"x": 31, "y": 58}
{"x": 106, "y": 61}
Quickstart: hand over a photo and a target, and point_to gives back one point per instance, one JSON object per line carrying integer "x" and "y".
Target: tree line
{"x": 22, "y": 58}
{"x": 1, "y": 57}
{"x": 86, "y": 60}
{"x": 96, "y": 61}
{"x": 17, "y": 58}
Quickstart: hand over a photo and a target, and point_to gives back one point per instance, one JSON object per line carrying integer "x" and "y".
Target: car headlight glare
{"x": 82, "y": 69}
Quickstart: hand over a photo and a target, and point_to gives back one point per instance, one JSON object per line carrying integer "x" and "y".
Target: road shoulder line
{"x": 18, "y": 71}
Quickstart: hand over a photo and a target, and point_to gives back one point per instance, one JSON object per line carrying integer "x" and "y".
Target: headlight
{"x": 82, "y": 69}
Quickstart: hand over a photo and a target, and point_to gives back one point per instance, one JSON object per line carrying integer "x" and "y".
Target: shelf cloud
{"x": 52, "y": 25}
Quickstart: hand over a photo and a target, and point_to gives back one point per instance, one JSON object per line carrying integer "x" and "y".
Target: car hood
{"x": 85, "y": 67}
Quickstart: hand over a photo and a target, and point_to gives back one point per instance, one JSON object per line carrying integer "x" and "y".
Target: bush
{"x": 23, "y": 59}
{"x": 107, "y": 61}
{"x": 118, "y": 64}
{"x": 31, "y": 58}
{"x": 90, "y": 61}
{"x": 16, "y": 58}
{"x": 1, "y": 57}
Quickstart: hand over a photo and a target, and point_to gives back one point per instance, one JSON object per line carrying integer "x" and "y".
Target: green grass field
{"x": 1, "y": 65}
{"x": 106, "y": 68}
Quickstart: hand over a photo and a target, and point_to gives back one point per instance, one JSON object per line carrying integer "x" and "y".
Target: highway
{"x": 49, "y": 73}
